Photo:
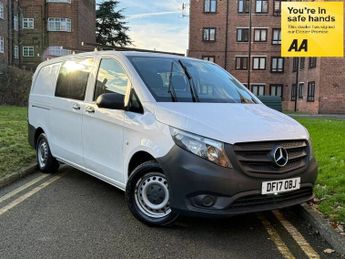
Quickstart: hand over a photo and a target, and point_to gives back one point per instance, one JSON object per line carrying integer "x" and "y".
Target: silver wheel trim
{"x": 42, "y": 153}
{"x": 149, "y": 209}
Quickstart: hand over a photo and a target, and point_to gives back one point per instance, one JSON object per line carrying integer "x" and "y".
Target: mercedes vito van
{"x": 178, "y": 135}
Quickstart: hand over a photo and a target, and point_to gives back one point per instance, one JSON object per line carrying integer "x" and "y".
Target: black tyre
{"x": 147, "y": 195}
{"x": 45, "y": 161}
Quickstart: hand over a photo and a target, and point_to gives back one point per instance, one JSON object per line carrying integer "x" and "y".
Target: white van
{"x": 178, "y": 135}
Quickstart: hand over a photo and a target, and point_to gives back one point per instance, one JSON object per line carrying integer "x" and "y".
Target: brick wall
{"x": 328, "y": 75}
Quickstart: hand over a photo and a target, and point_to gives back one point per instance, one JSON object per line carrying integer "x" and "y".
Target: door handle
{"x": 76, "y": 107}
{"x": 90, "y": 109}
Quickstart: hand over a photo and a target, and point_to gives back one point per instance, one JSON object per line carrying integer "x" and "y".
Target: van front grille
{"x": 255, "y": 158}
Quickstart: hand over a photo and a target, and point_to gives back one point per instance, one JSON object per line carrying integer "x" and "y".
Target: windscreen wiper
{"x": 195, "y": 96}
{"x": 171, "y": 89}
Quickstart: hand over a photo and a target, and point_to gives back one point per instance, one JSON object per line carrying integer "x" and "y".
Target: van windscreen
{"x": 186, "y": 80}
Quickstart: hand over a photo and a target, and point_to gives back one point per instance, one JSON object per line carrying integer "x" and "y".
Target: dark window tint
{"x": 293, "y": 92}
{"x": 167, "y": 80}
{"x": 111, "y": 78}
{"x": 300, "y": 90}
{"x": 295, "y": 64}
{"x": 241, "y": 63}
{"x": 242, "y": 35}
{"x": 301, "y": 63}
{"x": 73, "y": 78}
{"x": 311, "y": 92}
{"x": 276, "y": 90}
{"x": 312, "y": 62}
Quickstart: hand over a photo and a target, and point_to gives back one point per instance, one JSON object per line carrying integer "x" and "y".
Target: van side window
{"x": 111, "y": 78}
{"x": 73, "y": 77}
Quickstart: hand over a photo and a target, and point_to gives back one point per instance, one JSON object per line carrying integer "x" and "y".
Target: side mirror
{"x": 113, "y": 101}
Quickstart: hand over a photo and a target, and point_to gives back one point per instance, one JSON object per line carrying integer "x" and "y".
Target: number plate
{"x": 279, "y": 186}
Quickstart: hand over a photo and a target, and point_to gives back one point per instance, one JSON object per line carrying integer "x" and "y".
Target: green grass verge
{"x": 328, "y": 137}
{"x": 15, "y": 152}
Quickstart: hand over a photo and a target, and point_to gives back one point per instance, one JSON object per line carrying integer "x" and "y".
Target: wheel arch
{"x": 138, "y": 158}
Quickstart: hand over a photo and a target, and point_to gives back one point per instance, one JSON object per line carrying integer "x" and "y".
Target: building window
{"x": 311, "y": 92}
{"x": 241, "y": 63}
{"x": 242, "y": 35}
{"x": 16, "y": 52}
{"x": 2, "y": 12}
{"x": 276, "y": 90}
{"x": 28, "y": 51}
{"x": 260, "y": 35}
{"x": 209, "y": 34}
{"x": 243, "y": 6}
{"x": 312, "y": 62}
{"x": 301, "y": 63}
{"x": 300, "y": 90}
{"x": 59, "y": 1}
{"x": 276, "y": 37}
{"x": 293, "y": 92}
{"x": 277, "y": 65}
{"x": 259, "y": 63}
{"x": 28, "y": 23}
{"x": 294, "y": 64}
{"x": 2, "y": 44}
{"x": 209, "y": 58}
{"x": 261, "y": 6}
{"x": 58, "y": 51}
{"x": 59, "y": 24}
{"x": 258, "y": 89}
{"x": 15, "y": 23}
{"x": 210, "y": 6}
{"x": 277, "y": 7}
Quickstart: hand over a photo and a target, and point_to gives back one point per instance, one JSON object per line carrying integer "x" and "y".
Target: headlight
{"x": 208, "y": 149}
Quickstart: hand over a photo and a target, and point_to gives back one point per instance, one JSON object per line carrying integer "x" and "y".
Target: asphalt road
{"x": 73, "y": 215}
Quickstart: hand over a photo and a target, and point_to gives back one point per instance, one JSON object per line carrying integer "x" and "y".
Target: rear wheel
{"x": 147, "y": 195}
{"x": 45, "y": 161}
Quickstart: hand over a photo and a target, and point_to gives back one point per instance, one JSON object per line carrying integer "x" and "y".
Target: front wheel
{"x": 147, "y": 195}
{"x": 45, "y": 160}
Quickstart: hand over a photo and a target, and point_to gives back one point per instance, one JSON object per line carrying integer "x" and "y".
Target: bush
{"x": 15, "y": 86}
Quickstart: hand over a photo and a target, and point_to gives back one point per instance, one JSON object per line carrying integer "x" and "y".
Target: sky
{"x": 156, "y": 24}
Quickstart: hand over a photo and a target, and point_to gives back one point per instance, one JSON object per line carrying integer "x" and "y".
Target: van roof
{"x": 110, "y": 52}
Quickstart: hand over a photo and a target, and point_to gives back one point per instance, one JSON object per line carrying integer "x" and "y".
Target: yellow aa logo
{"x": 312, "y": 29}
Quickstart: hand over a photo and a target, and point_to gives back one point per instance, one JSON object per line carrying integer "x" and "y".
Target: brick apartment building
{"x": 219, "y": 32}
{"x": 33, "y": 30}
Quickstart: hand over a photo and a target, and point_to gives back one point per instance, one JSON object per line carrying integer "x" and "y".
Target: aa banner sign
{"x": 312, "y": 29}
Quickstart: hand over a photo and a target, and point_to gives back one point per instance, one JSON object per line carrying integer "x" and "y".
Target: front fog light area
{"x": 205, "y": 148}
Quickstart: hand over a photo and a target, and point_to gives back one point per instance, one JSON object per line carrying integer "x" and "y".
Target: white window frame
{"x": 59, "y": 24}
{"x": 2, "y": 11}
{"x": 28, "y": 51}
{"x": 2, "y": 44}
{"x": 28, "y": 23}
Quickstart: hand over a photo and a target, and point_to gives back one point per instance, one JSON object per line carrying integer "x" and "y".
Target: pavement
{"x": 73, "y": 215}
